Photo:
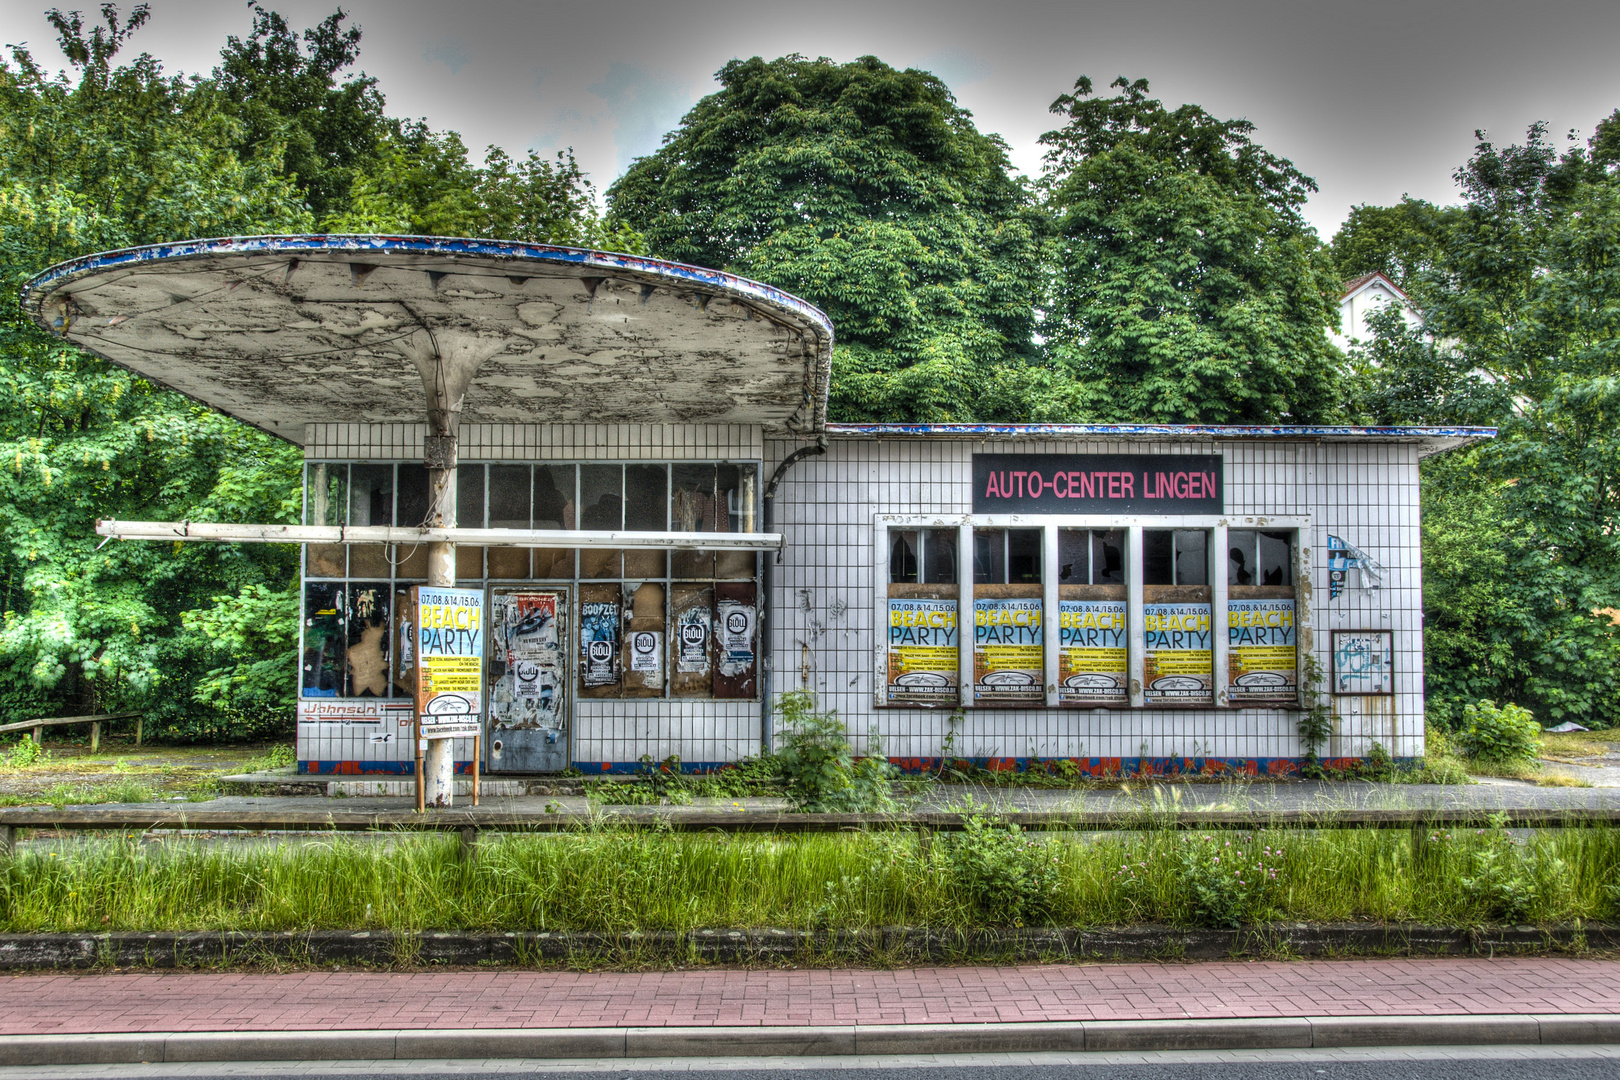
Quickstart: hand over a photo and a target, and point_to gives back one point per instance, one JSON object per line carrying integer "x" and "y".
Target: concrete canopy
{"x": 283, "y": 331}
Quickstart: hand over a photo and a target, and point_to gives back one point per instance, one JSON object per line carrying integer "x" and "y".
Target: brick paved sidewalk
{"x": 76, "y": 1004}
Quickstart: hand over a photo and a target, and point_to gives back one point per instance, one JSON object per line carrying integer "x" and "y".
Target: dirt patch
{"x": 69, "y": 773}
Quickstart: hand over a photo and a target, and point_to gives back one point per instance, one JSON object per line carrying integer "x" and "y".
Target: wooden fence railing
{"x": 95, "y": 723}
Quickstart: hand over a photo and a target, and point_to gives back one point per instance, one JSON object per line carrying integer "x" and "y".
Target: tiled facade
{"x": 824, "y": 630}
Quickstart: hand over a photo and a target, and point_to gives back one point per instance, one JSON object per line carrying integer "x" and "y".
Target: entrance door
{"x": 528, "y": 680}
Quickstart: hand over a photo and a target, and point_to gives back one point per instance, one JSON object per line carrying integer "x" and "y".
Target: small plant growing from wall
{"x": 822, "y": 773}
{"x": 1316, "y": 722}
{"x": 1506, "y": 733}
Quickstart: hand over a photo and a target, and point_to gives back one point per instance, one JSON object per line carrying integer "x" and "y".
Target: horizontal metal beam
{"x": 394, "y": 534}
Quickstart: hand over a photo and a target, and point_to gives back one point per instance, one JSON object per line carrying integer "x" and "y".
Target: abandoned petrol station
{"x": 629, "y": 461}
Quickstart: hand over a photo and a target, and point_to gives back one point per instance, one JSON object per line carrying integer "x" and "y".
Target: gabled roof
{"x": 1362, "y": 283}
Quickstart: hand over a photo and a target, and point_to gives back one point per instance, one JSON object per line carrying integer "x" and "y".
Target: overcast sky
{"x": 1373, "y": 99}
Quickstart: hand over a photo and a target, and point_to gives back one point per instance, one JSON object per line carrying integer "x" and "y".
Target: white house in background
{"x": 1363, "y": 296}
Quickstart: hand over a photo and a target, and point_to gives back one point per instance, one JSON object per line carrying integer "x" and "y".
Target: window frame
{"x": 394, "y": 580}
{"x": 1215, "y": 527}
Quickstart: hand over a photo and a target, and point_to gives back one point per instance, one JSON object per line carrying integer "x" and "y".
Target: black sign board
{"x": 1098, "y": 484}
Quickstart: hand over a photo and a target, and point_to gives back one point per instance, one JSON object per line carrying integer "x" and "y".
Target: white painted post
{"x": 439, "y": 760}
{"x": 1135, "y": 639}
{"x": 1051, "y": 633}
{"x": 1220, "y": 638}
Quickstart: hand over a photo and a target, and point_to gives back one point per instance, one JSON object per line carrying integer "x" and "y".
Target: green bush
{"x": 1003, "y": 876}
{"x": 1505, "y": 881}
{"x": 821, "y": 771}
{"x": 1500, "y": 733}
{"x": 24, "y": 752}
{"x": 1228, "y": 881}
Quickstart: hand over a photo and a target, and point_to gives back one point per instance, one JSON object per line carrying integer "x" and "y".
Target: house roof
{"x": 1356, "y": 285}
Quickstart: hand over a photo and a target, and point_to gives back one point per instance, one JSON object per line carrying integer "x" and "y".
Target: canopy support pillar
{"x": 446, "y": 384}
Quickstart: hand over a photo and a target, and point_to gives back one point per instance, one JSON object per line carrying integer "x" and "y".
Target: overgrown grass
{"x": 610, "y": 880}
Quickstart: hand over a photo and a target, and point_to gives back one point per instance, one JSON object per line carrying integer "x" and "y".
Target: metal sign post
{"x": 449, "y": 671}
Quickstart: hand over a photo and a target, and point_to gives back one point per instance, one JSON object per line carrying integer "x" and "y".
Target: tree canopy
{"x": 1186, "y": 285}
{"x": 114, "y": 153}
{"x": 1520, "y": 299}
{"x": 869, "y": 192}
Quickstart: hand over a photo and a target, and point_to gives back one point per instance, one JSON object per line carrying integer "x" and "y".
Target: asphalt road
{"x": 1420, "y": 1063}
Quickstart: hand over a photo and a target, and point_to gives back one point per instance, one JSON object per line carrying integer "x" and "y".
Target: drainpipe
{"x": 767, "y": 588}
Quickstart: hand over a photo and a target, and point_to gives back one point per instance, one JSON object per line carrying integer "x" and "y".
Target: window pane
{"x": 1192, "y": 558}
{"x": 1240, "y": 557}
{"x": 902, "y": 557}
{"x": 413, "y": 494}
{"x": 470, "y": 496}
{"x": 692, "y": 508}
{"x": 989, "y": 557}
{"x": 736, "y": 496}
{"x": 646, "y": 498}
{"x": 1276, "y": 558}
{"x": 939, "y": 557}
{"x": 1156, "y": 559}
{"x": 554, "y": 498}
{"x": 1073, "y": 556}
{"x": 509, "y": 496}
{"x": 601, "y": 497}
{"x": 367, "y": 653}
{"x": 1024, "y": 556}
{"x": 371, "y": 495}
{"x": 325, "y": 644}
{"x": 1108, "y": 557}
{"x": 326, "y": 494}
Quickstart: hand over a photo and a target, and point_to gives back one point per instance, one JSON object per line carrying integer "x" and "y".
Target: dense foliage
{"x": 870, "y": 193}
{"x": 118, "y": 153}
{"x": 1519, "y": 289}
{"x": 1187, "y": 287}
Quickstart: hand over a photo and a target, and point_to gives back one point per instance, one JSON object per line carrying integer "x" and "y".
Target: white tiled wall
{"x": 822, "y": 622}
{"x": 822, "y": 632}
{"x": 539, "y": 442}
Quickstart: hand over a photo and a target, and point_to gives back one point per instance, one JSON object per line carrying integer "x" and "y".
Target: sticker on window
{"x": 1263, "y": 651}
{"x": 599, "y": 642}
{"x": 1008, "y": 656}
{"x": 693, "y": 630}
{"x": 923, "y": 652}
{"x": 646, "y": 651}
{"x": 736, "y": 626}
{"x": 1178, "y": 667}
{"x": 1091, "y": 653}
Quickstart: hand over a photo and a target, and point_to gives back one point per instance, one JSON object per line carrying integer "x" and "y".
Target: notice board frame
{"x": 1387, "y": 648}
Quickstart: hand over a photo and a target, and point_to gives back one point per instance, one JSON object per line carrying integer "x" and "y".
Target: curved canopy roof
{"x": 281, "y": 331}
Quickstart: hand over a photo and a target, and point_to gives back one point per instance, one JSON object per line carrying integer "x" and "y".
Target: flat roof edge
{"x": 1454, "y": 436}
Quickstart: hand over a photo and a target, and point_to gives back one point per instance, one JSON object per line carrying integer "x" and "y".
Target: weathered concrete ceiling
{"x": 284, "y": 331}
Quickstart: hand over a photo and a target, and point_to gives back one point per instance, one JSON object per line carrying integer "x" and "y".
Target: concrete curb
{"x": 387, "y": 949}
{"x": 1295, "y": 1032}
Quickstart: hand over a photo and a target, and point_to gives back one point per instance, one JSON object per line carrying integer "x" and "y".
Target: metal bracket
{"x": 439, "y": 451}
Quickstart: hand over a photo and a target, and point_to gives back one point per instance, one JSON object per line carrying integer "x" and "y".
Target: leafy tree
{"x": 1187, "y": 286}
{"x": 1521, "y": 310}
{"x": 1397, "y": 241}
{"x": 423, "y": 184}
{"x": 869, "y": 192}
{"x": 291, "y": 107}
{"x": 123, "y": 155}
